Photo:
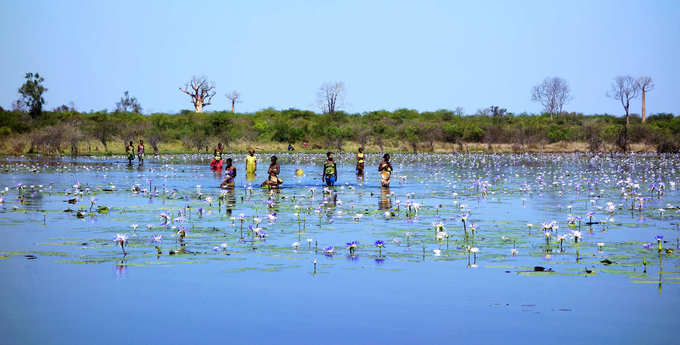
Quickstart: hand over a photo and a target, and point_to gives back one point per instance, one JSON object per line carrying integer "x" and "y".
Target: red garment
{"x": 216, "y": 164}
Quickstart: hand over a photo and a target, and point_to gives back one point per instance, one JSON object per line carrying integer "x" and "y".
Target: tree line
{"x": 64, "y": 129}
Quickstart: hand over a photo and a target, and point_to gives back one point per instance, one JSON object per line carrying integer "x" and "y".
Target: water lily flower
{"x": 134, "y": 226}
{"x": 329, "y": 250}
{"x": 296, "y": 245}
{"x": 514, "y": 251}
{"x": 352, "y": 246}
{"x": 437, "y": 252}
{"x": 164, "y": 218}
{"x": 380, "y": 245}
{"x": 181, "y": 233}
{"x": 156, "y": 238}
{"x": 121, "y": 239}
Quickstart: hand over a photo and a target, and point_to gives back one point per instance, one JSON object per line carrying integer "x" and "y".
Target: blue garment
{"x": 330, "y": 180}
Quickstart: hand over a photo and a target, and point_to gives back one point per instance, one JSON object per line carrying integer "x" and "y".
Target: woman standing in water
{"x": 216, "y": 163}
{"x": 230, "y": 172}
{"x": 140, "y": 152}
{"x": 251, "y": 162}
{"x": 385, "y": 169}
{"x": 273, "y": 181}
{"x": 360, "y": 162}
{"x": 130, "y": 151}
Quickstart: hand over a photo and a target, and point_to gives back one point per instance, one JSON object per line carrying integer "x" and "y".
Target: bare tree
{"x": 483, "y": 112}
{"x": 645, "y": 84}
{"x": 234, "y": 97}
{"x": 128, "y": 104}
{"x": 201, "y": 92}
{"x": 331, "y": 97}
{"x": 553, "y": 93}
{"x": 624, "y": 89}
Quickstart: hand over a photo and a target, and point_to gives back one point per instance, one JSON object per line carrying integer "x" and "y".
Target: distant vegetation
{"x": 64, "y": 130}
{"x": 68, "y": 131}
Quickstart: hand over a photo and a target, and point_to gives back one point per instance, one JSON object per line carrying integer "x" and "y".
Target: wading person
{"x": 140, "y": 152}
{"x": 251, "y": 162}
{"x": 216, "y": 163}
{"x": 385, "y": 169}
{"x": 360, "y": 162}
{"x": 330, "y": 171}
{"x": 230, "y": 172}
{"x": 273, "y": 181}
{"x": 130, "y": 151}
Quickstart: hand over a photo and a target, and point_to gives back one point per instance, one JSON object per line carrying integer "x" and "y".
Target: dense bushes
{"x": 400, "y": 128}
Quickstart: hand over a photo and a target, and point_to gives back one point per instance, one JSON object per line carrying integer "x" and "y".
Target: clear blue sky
{"x": 424, "y": 55}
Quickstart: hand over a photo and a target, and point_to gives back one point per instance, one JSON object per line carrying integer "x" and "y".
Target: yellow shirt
{"x": 250, "y": 163}
{"x": 361, "y": 157}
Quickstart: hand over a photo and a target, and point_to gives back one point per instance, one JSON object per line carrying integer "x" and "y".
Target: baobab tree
{"x": 553, "y": 94}
{"x": 201, "y": 92}
{"x": 234, "y": 97}
{"x": 331, "y": 96}
{"x": 645, "y": 84}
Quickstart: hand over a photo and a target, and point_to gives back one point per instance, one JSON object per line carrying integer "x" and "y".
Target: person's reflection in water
{"x": 385, "y": 201}
{"x": 230, "y": 200}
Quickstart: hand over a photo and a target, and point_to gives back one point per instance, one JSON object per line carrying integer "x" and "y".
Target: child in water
{"x": 274, "y": 169}
{"x": 230, "y": 172}
{"x": 130, "y": 151}
{"x": 330, "y": 173}
{"x": 385, "y": 169}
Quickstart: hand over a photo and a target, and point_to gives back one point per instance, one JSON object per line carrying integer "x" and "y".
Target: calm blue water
{"x": 67, "y": 282}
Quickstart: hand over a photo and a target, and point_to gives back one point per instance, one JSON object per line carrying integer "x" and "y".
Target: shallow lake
{"x": 478, "y": 249}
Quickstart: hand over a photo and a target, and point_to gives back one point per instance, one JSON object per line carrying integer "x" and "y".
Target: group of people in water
{"x": 329, "y": 173}
{"x": 130, "y": 152}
